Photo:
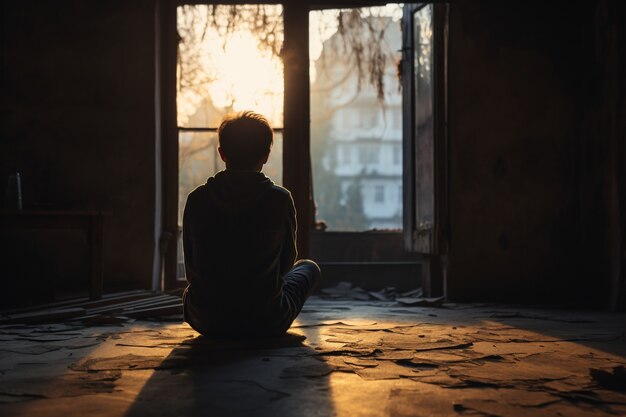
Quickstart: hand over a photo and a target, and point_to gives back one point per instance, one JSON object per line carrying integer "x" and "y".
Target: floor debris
{"x": 345, "y": 291}
{"x": 111, "y": 309}
{"x": 341, "y": 358}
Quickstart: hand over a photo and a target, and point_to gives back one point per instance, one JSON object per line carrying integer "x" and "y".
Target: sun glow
{"x": 247, "y": 78}
{"x": 226, "y": 70}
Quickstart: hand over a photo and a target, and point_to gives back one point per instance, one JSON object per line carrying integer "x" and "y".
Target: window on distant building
{"x": 397, "y": 120}
{"x": 368, "y": 154}
{"x": 345, "y": 154}
{"x": 397, "y": 154}
{"x": 379, "y": 193}
{"x": 343, "y": 118}
{"x": 369, "y": 119}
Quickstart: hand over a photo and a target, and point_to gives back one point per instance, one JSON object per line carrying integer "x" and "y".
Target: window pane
{"x": 197, "y": 160}
{"x": 356, "y": 132}
{"x": 379, "y": 194}
{"x": 228, "y": 62}
{"x": 424, "y": 139}
{"x": 274, "y": 167}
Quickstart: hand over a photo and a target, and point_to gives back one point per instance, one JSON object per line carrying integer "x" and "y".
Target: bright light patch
{"x": 247, "y": 78}
{"x": 226, "y": 66}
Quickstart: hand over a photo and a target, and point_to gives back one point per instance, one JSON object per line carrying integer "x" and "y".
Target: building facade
{"x": 358, "y": 137}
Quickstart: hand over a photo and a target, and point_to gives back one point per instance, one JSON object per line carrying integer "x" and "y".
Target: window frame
{"x": 296, "y": 127}
{"x": 433, "y": 242}
{"x": 296, "y": 135}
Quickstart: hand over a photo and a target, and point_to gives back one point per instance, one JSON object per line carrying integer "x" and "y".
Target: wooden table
{"x": 89, "y": 221}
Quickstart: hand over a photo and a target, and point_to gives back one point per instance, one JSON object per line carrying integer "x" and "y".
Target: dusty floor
{"x": 342, "y": 358}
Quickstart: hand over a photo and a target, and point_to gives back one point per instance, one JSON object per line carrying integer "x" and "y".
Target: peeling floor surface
{"x": 341, "y": 358}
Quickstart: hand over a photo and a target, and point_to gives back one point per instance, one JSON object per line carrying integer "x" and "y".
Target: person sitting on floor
{"x": 239, "y": 241}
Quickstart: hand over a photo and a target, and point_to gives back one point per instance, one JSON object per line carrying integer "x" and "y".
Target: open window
{"x": 360, "y": 142}
{"x": 424, "y": 71}
{"x": 356, "y": 146}
{"x": 356, "y": 113}
{"x": 378, "y": 142}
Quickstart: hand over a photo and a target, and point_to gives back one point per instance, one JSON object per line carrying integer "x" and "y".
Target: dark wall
{"x": 521, "y": 83}
{"x": 78, "y": 119}
{"x": 602, "y": 166}
{"x": 513, "y": 134}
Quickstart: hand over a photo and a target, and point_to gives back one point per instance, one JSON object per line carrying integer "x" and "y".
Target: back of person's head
{"x": 245, "y": 139}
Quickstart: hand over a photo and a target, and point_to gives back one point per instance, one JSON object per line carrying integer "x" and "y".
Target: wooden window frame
{"x": 296, "y": 128}
{"x": 296, "y": 132}
{"x": 433, "y": 245}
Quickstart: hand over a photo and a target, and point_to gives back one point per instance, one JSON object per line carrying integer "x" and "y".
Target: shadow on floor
{"x": 237, "y": 378}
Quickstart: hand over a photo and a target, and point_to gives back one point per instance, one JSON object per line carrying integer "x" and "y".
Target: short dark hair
{"x": 245, "y": 138}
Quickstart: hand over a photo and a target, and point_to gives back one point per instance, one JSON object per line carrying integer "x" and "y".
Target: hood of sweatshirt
{"x": 237, "y": 190}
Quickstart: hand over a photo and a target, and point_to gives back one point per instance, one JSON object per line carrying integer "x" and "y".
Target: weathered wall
{"x": 514, "y": 131}
{"x": 77, "y": 108}
{"x": 602, "y": 167}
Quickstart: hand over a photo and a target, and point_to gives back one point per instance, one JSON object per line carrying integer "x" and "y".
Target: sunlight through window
{"x": 356, "y": 117}
{"x": 228, "y": 61}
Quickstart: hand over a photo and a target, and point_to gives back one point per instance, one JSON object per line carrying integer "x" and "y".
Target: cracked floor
{"x": 341, "y": 358}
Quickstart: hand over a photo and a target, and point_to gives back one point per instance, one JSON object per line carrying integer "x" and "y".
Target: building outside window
{"x": 379, "y": 193}
{"x": 369, "y": 119}
{"x": 368, "y": 154}
{"x": 345, "y": 154}
{"x": 356, "y": 138}
{"x": 397, "y": 155}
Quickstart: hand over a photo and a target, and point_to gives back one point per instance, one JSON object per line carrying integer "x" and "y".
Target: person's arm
{"x": 289, "y": 253}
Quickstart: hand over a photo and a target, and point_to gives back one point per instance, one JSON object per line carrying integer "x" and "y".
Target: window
{"x": 369, "y": 119}
{"x": 345, "y": 154}
{"x": 397, "y": 120}
{"x": 424, "y": 71}
{"x": 339, "y": 185}
{"x": 397, "y": 155}
{"x": 423, "y": 112}
{"x": 379, "y": 193}
{"x": 368, "y": 154}
{"x": 345, "y": 107}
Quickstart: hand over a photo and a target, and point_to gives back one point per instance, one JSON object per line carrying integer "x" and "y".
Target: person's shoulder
{"x": 280, "y": 191}
{"x": 197, "y": 194}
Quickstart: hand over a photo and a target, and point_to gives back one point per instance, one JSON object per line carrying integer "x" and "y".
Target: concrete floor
{"x": 341, "y": 358}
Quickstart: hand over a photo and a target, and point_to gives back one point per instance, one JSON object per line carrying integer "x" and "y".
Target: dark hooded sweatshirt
{"x": 239, "y": 241}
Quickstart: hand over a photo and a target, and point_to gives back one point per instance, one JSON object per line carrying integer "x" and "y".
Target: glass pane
{"x": 199, "y": 160}
{"x": 356, "y": 118}
{"x": 424, "y": 139}
{"x": 274, "y": 167}
{"x": 228, "y": 62}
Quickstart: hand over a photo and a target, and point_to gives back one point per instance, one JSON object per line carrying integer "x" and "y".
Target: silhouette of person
{"x": 239, "y": 232}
